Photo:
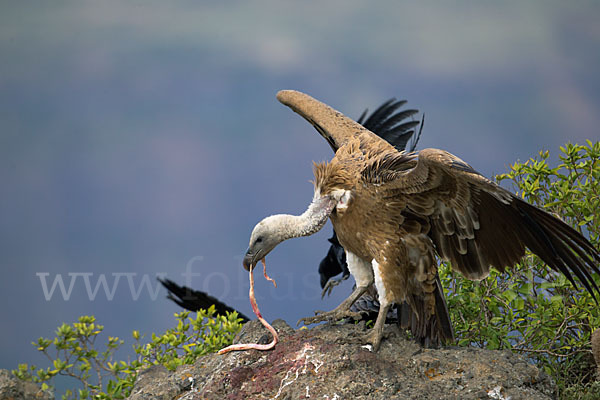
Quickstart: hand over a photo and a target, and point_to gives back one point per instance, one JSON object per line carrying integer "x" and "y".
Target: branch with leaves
{"x": 530, "y": 309}
{"x": 74, "y": 353}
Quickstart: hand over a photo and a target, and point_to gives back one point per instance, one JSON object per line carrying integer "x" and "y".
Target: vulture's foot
{"x": 370, "y": 340}
{"x": 373, "y": 338}
{"x": 334, "y": 315}
{"x": 331, "y": 283}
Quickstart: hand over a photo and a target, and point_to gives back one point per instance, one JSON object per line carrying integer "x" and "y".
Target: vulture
{"x": 395, "y": 212}
{"x": 391, "y": 123}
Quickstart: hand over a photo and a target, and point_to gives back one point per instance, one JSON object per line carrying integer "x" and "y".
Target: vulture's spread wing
{"x": 335, "y": 127}
{"x": 473, "y": 222}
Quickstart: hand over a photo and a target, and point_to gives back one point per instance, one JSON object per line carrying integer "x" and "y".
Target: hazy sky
{"x": 143, "y": 137}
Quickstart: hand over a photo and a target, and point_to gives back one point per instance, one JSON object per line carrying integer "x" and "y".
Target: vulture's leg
{"x": 340, "y": 312}
{"x": 385, "y": 275}
{"x": 374, "y": 337}
{"x": 363, "y": 274}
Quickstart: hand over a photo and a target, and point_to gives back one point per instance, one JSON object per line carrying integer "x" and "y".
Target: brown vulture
{"x": 392, "y": 123}
{"x": 394, "y": 212}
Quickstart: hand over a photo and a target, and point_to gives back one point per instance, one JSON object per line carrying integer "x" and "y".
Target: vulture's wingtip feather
{"x": 332, "y": 125}
{"x": 288, "y": 96}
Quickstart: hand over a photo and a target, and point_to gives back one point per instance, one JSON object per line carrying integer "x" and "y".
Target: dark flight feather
{"x": 194, "y": 300}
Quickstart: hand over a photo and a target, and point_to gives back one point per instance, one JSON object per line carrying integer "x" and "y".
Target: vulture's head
{"x": 273, "y": 230}
{"x": 267, "y": 234}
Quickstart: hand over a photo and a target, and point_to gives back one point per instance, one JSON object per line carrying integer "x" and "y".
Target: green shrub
{"x": 529, "y": 308}
{"x": 74, "y": 353}
{"x": 590, "y": 391}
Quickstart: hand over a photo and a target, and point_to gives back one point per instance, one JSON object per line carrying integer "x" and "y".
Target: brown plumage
{"x": 394, "y": 212}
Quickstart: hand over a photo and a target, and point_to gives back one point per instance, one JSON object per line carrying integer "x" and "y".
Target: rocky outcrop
{"x": 12, "y": 388}
{"x": 329, "y": 362}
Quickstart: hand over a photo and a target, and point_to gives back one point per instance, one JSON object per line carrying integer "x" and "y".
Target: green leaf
{"x": 519, "y": 304}
{"x": 556, "y": 299}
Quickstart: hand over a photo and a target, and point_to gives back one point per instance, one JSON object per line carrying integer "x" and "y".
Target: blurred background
{"x": 143, "y": 138}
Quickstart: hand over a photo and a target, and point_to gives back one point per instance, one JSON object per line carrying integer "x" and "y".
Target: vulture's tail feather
{"x": 430, "y": 330}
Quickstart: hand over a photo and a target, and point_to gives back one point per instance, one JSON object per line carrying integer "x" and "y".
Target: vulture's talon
{"x": 330, "y": 316}
{"x": 355, "y": 315}
{"x": 374, "y": 339}
{"x": 371, "y": 340}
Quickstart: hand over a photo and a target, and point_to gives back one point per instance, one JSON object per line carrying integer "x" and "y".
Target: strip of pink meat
{"x": 256, "y": 346}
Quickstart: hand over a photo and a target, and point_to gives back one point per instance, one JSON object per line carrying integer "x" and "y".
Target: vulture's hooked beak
{"x": 248, "y": 261}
